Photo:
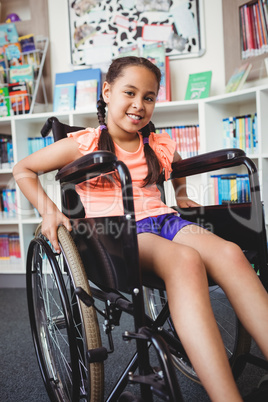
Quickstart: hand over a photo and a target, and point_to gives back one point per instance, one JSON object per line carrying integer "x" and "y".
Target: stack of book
{"x": 241, "y": 132}
{"x": 254, "y": 28}
{"x": 8, "y": 203}
{"x": 19, "y": 61}
{"x": 187, "y": 139}
{"x": 231, "y": 188}
{"x": 10, "y": 247}
{"x": 6, "y": 152}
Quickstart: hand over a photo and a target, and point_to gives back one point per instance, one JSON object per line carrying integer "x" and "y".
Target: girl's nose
{"x": 137, "y": 104}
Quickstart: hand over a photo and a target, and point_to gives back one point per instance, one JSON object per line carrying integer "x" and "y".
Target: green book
{"x": 4, "y": 102}
{"x": 198, "y": 85}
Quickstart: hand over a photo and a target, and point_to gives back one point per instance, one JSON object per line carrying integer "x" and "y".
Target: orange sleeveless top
{"x": 101, "y": 199}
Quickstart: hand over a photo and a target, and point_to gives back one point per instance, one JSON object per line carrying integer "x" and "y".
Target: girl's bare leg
{"x": 184, "y": 273}
{"x": 229, "y": 268}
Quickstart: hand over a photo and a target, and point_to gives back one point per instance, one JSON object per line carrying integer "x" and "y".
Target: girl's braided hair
{"x": 105, "y": 141}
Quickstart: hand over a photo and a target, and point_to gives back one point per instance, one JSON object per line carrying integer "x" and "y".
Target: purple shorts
{"x": 167, "y": 225}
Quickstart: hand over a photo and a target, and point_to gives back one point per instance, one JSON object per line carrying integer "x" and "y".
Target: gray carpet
{"x": 20, "y": 379}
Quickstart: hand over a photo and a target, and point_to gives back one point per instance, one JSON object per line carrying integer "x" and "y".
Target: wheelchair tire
{"x": 63, "y": 328}
{"x": 236, "y": 339}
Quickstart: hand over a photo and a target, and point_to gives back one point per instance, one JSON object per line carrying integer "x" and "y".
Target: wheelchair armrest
{"x": 93, "y": 165}
{"x": 87, "y": 167}
{"x": 207, "y": 162}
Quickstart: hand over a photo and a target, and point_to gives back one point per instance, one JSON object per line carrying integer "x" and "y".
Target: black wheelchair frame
{"x": 111, "y": 265}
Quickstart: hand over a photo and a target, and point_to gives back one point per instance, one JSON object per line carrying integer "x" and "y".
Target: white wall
{"x": 213, "y": 59}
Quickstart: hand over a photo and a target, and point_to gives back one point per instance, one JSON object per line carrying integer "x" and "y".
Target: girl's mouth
{"x": 134, "y": 117}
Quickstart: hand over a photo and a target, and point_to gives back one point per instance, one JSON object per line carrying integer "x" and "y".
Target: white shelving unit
{"x": 207, "y": 112}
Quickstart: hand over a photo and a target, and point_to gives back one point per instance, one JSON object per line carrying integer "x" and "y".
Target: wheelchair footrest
{"x": 97, "y": 355}
{"x": 127, "y": 336}
{"x": 154, "y": 381}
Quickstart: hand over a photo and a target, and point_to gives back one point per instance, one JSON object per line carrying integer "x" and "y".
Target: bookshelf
{"x": 33, "y": 20}
{"x": 208, "y": 113}
{"x": 232, "y": 42}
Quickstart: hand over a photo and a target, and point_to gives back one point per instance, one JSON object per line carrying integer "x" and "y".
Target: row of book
{"x": 187, "y": 139}
{"x": 254, "y": 28}
{"x": 231, "y": 188}
{"x": 36, "y": 143}
{"x": 8, "y": 203}
{"x": 6, "y": 152}
{"x": 10, "y": 248}
{"x": 241, "y": 132}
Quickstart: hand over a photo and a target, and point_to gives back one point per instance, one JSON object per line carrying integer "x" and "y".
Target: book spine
{"x": 242, "y": 32}
{"x": 250, "y": 49}
{"x": 263, "y": 25}
{"x": 8, "y": 203}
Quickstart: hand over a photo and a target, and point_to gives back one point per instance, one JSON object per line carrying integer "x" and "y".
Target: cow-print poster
{"x": 100, "y": 30}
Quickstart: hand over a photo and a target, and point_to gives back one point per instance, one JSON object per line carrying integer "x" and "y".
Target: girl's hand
{"x": 51, "y": 222}
{"x": 185, "y": 202}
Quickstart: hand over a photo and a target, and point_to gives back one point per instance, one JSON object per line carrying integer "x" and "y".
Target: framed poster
{"x": 99, "y": 30}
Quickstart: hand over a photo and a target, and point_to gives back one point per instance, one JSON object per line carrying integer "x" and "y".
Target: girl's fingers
{"x": 67, "y": 224}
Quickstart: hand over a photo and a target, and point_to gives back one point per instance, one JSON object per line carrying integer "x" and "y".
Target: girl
{"x": 181, "y": 253}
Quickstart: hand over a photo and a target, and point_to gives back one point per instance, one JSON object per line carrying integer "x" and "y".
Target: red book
{"x": 19, "y": 98}
{"x": 249, "y": 31}
{"x": 168, "y": 88}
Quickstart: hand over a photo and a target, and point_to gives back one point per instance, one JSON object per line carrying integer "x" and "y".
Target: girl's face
{"x": 131, "y": 100}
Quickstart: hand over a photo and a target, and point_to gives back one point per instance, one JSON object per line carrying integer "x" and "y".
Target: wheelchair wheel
{"x": 236, "y": 339}
{"x": 63, "y": 328}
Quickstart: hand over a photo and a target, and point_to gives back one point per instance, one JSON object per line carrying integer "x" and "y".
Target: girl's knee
{"x": 185, "y": 261}
{"x": 232, "y": 251}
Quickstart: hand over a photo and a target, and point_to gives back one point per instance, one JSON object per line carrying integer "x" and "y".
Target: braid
{"x": 105, "y": 141}
{"x": 154, "y": 167}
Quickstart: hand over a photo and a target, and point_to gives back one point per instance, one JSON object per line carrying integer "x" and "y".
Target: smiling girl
{"x": 180, "y": 253}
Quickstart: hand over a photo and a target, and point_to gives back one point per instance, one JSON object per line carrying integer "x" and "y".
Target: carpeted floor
{"x": 20, "y": 379}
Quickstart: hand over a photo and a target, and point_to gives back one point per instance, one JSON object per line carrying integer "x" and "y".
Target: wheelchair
{"x": 64, "y": 291}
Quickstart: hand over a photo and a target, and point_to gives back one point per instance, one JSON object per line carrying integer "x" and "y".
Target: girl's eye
{"x": 130, "y": 93}
{"x": 150, "y": 99}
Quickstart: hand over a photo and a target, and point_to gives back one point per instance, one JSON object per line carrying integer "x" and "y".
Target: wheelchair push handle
{"x": 47, "y": 127}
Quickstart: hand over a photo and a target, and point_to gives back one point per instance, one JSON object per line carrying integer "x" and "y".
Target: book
{"x": 156, "y": 53}
{"x": 238, "y": 78}
{"x": 3, "y": 66}
{"x": 8, "y": 34}
{"x": 64, "y": 97}
{"x": 13, "y": 54}
{"x": 198, "y": 85}
{"x": 86, "y": 94}
{"x": 19, "y": 98}
{"x": 22, "y": 73}
{"x": 27, "y": 43}
{"x": 4, "y": 102}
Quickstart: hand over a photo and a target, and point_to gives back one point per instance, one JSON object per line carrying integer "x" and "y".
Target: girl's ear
{"x": 106, "y": 92}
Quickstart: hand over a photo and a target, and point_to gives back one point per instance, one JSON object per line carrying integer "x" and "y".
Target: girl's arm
{"x": 180, "y": 189}
{"x": 26, "y": 174}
